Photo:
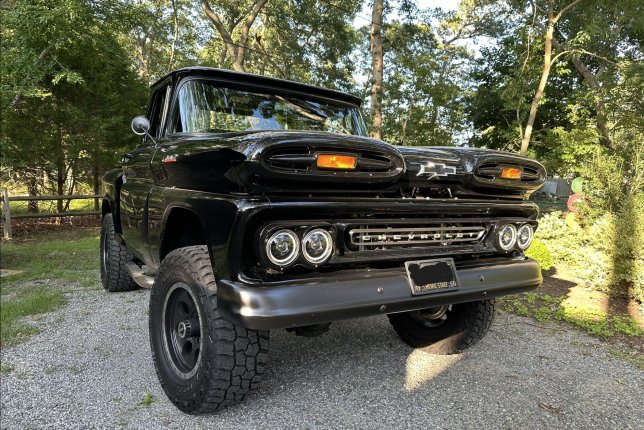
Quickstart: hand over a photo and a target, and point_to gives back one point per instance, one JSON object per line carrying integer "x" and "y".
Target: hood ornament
{"x": 433, "y": 170}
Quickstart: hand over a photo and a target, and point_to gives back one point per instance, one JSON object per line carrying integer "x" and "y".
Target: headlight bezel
{"x": 499, "y": 233}
{"x": 327, "y": 252}
{"x": 530, "y": 236}
{"x": 293, "y": 255}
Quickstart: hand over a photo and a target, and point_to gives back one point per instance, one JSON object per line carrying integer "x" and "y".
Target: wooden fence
{"x": 6, "y": 209}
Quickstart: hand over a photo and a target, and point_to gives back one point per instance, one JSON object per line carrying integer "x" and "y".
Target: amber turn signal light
{"x": 336, "y": 161}
{"x": 511, "y": 173}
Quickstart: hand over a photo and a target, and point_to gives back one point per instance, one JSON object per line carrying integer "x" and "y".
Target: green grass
{"x": 70, "y": 258}
{"x": 28, "y": 302}
{"x": 66, "y": 256}
{"x": 51, "y": 206}
{"x": 148, "y": 400}
{"x": 636, "y": 359}
{"x": 544, "y": 307}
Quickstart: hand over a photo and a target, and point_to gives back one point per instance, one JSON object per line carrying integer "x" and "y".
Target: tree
{"x": 160, "y": 35}
{"x": 548, "y": 61}
{"x": 64, "y": 114}
{"x": 375, "y": 36}
{"x": 231, "y": 13}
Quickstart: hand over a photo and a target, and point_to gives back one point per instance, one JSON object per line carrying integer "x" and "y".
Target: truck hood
{"x": 284, "y": 162}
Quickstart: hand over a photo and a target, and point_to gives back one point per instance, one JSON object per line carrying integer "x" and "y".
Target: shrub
{"x": 606, "y": 254}
{"x": 540, "y": 252}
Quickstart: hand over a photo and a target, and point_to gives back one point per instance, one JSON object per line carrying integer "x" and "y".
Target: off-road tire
{"x": 231, "y": 359}
{"x": 465, "y": 325}
{"x": 114, "y": 273}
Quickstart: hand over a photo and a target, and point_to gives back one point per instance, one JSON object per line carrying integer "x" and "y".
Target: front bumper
{"x": 363, "y": 293}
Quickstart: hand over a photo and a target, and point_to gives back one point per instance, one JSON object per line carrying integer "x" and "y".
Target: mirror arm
{"x": 151, "y": 138}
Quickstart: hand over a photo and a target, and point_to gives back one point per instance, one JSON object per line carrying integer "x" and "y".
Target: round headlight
{"x": 524, "y": 236}
{"x": 507, "y": 237}
{"x": 282, "y": 247}
{"x": 317, "y": 245}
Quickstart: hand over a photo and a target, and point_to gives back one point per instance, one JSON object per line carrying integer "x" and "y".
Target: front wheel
{"x": 204, "y": 362}
{"x": 445, "y": 329}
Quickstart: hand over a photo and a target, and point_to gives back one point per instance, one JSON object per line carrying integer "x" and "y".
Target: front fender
{"x": 220, "y": 217}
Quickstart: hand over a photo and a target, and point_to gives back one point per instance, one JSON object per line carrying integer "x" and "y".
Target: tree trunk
{"x": 547, "y": 64}
{"x": 548, "y": 61}
{"x": 60, "y": 171}
{"x": 600, "y": 107}
{"x": 375, "y": 36}
{"x": 237, "y": 50}
{"x": 32, "y": 190}
{"x": 96, "y": 182}
{"x": 175, "y": 35}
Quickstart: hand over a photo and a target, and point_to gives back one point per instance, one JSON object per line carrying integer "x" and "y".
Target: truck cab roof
{"x": 257, "y": 81}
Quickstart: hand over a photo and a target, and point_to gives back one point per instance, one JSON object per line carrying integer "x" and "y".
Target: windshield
{"x": 205, "y": 107}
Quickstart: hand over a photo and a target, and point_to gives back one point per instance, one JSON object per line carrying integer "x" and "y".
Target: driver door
{"x": 138, "y": 180}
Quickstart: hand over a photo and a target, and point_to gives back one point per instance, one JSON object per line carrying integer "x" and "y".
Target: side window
{"x": 159, "y": 111}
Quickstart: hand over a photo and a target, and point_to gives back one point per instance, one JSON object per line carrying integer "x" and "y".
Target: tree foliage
{"x": 66, "y": 91}
{"x": 450, "y": 77}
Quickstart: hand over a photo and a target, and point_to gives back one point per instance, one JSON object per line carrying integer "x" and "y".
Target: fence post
{"x": 7, "y": 213}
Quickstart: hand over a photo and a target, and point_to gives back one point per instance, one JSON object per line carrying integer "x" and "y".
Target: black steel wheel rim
{"x": 181, "y": 324}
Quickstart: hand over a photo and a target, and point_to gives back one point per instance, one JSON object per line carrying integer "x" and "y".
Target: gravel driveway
{"x": 91, "y": 368}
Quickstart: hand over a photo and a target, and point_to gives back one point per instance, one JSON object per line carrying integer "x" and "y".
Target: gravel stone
{"x": 90, "y": 368}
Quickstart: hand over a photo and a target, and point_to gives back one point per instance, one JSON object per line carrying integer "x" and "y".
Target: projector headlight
{"x": 317, "y": 246}
{"x": 524, "y": 236}
{"x": 506, "y": 237}
{"x": 282, "y": 247}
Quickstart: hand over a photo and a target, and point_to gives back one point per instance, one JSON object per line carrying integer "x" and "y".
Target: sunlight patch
{"x": 423, "y": 367}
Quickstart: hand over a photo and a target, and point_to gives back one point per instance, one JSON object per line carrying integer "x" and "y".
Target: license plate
{"x": 428, "y": 276}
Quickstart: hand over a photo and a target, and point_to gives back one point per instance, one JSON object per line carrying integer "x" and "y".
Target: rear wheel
{"x": 204, "y": 362}
{"x": 445, "y": 329}
{"x": 114, "y": 255}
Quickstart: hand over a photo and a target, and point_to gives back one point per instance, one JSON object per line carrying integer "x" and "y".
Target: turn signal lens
{"x": 511, "y": 173}
{"x": 336, "y": 161}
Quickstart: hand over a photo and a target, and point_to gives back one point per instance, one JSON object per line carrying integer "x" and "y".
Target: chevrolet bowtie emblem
{"x": 432, "y": 170}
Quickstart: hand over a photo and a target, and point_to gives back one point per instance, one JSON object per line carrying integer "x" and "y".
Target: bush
{"x": 606, "y": 254}
{"x": 540, "y": 252}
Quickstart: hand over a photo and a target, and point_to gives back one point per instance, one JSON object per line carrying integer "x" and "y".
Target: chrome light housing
{"x": 506, "y": 237}
{"x": 282, "y": 247}
{"x": 524, "y": 236}
{"x": 317, "y": 246}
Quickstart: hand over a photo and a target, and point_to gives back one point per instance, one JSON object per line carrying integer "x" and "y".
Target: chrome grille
{"x": 385, "y": 237}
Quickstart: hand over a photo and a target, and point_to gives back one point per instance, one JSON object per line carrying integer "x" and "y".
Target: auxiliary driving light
{"x": 507, "y": 237}
{"x": 524, "y": 236}
{"x": 317, "y": 245}
{"x": 282, "y": 247}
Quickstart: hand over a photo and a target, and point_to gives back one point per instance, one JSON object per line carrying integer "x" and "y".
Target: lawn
{"x": 41, "y": 272}
{"x": 564, "y": 298}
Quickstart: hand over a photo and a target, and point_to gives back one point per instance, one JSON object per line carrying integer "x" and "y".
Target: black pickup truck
{"x": 255, "y": 203}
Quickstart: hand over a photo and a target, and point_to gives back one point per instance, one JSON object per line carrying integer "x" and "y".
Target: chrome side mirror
{"x": 140, "y": 125}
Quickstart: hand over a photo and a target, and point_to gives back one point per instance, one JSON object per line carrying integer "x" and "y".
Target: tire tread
{"x": 240, "y": 355}
{"x": 117, "y": 276}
